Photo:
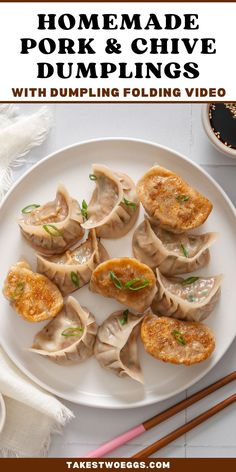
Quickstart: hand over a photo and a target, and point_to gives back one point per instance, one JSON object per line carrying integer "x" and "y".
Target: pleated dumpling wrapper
{"x": 126, "y": 280}
{"x": 192, "y": 299}
{"x": 116, "y": 345}
{"x": 171, "y": 201}
{"x": 69, "y": 338}
{"x": 54, "y": 227}
{"x": 73, "y": 269}
{"x": 33, "y": 296}
{"x": 172, "y": 253}
{"x": 114, "y": 206}
{"x": 178, "y": 342}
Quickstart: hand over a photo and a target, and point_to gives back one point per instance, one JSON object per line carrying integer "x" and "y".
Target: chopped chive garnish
{"x": 129, "y": 203}
{"x": 191, "y": 298}
{"x": 179, "y": 338}
{"x": 84, "y": 209}
{"x": 184, "y": 250}
{"x": 20, "y": 287}
{"x": 74, "y": 278}
{"x": 29, "y": 208}
{"x": 124, "y": 318}
{"x": 204, "y": 292}
{"x": 52, "y": 230}
{"x": 189, "y": 281}
{"x": 136, "y": 284}
{"x": 117, "y": 282}
{"x": 73, "y": 331}
{"x": 182, "y": 198}
{"x": 92, "y": 177}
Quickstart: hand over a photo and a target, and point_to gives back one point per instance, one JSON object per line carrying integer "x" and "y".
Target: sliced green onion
{"x": 129, "y": 203}
{"x": 29, "y": 208}
{"x": 84, "y": 209}
{"x": 189, "y": 281}
{"x": 204, "y": 292}
{"x": 20, "y": 287}
{"x": 182, "y": 198}
{"x": 117, "y": 282}
{"x": 73, "y": 331}
{"x": 52, "y": 230}
{"x": 179, "y": 338}
{"x": 93, "y": 177}
{"x": 191, "y": 298}
{"x": 74, "y": 278}
{"x": 131, "y": 284}
{"x": 124, "y": 318}
{"x": 184, "y": 250}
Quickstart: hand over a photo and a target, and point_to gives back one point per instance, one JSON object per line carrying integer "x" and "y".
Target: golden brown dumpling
{"x": 171, "y": 201}
{"x": 178, "y": 342}
{"x": 33, "y": 296}
{"x": 127, "y": 280}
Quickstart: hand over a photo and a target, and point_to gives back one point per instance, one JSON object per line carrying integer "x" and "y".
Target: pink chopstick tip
{"x": 117, "y": 442}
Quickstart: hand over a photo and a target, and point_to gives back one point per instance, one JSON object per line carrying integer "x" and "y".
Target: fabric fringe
{"x": 17, "y": 128}
{"x": 63, "y": 418}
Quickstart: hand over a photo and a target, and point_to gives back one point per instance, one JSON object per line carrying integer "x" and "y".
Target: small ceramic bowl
{"x": 230, "y": 152}
{"x": 2, "y": 413}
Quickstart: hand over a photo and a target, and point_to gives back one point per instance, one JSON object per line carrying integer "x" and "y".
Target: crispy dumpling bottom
{"x": 177, "y": 342}
{"x": 171, "y": 201}
{"x": 33, "y": 296}
{"x": 126, "y": 280}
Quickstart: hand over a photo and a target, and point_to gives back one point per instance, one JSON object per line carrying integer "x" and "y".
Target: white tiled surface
{"x": 179, "y": 127}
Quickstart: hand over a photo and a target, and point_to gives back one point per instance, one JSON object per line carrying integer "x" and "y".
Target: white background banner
{"x": 150, "y": 63}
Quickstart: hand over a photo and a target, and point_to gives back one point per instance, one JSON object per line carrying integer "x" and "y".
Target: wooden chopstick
{"x": 157, "y": 419}
{"x": 173, "y": 410}
{"x": 149, "y": 450}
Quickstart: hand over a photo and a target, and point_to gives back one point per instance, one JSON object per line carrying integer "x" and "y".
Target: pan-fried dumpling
{"x": 172, "y": 253}
{"x": 127, "y": 280}
{"x": 116, "y": 345}
{"x": 178, "y": 342}
{"x": 69, "y": 338}
{"x": 33, "y": 296}
{"x": 54, "y": 227}
{"x": 190, "y": 299}
{"x": 73, "y": 269}
{"x": 114, "y": 206}
{"x": 171, "y": 201}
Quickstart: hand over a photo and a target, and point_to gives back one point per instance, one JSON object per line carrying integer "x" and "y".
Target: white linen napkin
{"x": 18, "y": 135}
{"x": 32, "y": 415}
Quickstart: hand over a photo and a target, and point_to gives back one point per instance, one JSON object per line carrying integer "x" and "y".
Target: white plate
{"x": 87, "y": 383}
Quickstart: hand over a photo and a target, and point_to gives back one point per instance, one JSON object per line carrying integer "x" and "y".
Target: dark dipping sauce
{"x": 223, "y": 122}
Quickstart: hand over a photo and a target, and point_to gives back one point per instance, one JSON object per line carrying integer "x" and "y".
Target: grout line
{"x": 213, "y": 447}
{"x": 129, "y": 444}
